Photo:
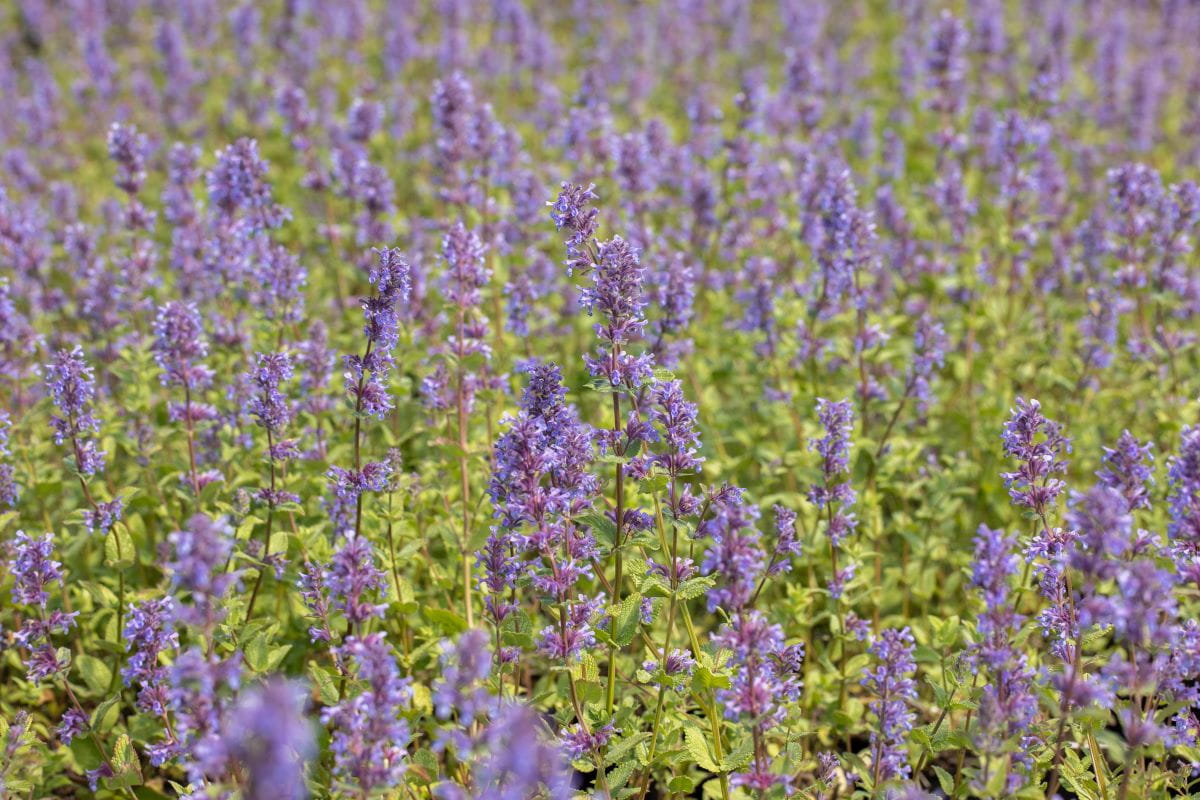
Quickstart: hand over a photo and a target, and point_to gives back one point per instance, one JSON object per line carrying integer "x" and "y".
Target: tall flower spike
{"x": 1008, "y": 705}
{"x": 200, "y": 551}
{"x": 238, "y": 183}
{"x": 1038, "y": 444}
{"x": 369, "y": 732}
{"x": 894, "y": 690}
{"x": 270, "y": 735}
{"x": 72, "y": 386}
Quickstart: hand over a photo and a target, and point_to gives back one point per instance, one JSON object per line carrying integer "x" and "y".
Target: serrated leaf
{"x": 118, "y": 547}
{"x": 444, "y": 620}
{"x": 95, "y": 673}
{"x": 697, "y": 748}
{"x": 695, "y": 587}
{"x": 325, "y": 683}
{"x": 629, "y": 616}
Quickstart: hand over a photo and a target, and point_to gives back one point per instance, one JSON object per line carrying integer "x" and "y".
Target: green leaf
{"x": 118, "y": 547}
{"x": 681, "y": 783}
{"x": 945, "y": 780}
{"x": 444, "y": 620}
{"x": 695, "y": 587}
{"x": 105, "y": 714}
{"x": 629, "y": 616}
{"x": 257, "y": 652}
{"x": 95, "y": 673}
{"x": 697, "y": 748}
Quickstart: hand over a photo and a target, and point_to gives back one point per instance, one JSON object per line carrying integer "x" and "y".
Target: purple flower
{"x": 766, "y": 678}
{"x": 33, "y": 569}
{"x": 676, "y": 669}
{"x": 578, "y": 741}
{"x": 72, "y": 386}
{"x": 946, "y": 63}
{"x": 200, "y": 551}
{"x": 1183, "y": 491}
{"x": 736, "y": 554}
{"x": 894, "y": 689}
{"x": 10, "y": 492}
{"x": 837, "y": 418}
{"x": 238, "y": 183}
{"x": 513, "y": 760}
{"x": 267, "y": 731}
{"x": 74, "y": 723}
{"x": 1128, "y": 469}
{"x": 1038, "y": 444}
{"x": 199, "y": 700}
{"x": 369, "y": 731}
{"x": 929, "y": 355}
{"x": 571, "y": 211}
{"x": 269, "y": 407}
{"x": 149, "y": 632}
{"x": 179, "y": 344}
{"x": 787, "y": 544}
{"x": 366, "y": 376}
{"x": 616, "y": 292}
{"x": 465, "y": 664}
{"x": 351, "y": 575}
{"x": 127, "y": 147}
{"x": 1008, "y": 705}
{"x": 676, "y": 417}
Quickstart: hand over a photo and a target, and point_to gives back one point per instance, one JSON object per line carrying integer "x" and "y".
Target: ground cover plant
{"x": 614, "y": 399}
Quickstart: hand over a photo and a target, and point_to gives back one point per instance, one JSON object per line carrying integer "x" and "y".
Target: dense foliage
{"x": 680, "y": 399}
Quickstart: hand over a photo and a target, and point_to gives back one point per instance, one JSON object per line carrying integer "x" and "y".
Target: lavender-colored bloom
{"x": 465, "y": 276}
{"x": 179, "y": 346}
{"x": 1183, "y": 492}
{"x": 127, "y": 147}
{"x": 513, "y": 760}
{"x": 267, "y": 731}
{"x": 269, "y": 407}
{"x": 766, "y": 677}
{"x": 676, "y": 418}
{"x": 837, "y": 418}
{"x": 369, "y": 731}
{"x": 929, "y": 355}
{"x": 200, "y": 551}
{"x": 465, "y": 664}
{"x": 676, "y": 669}
{"x": 199, "y": 702}
{"x": 571, "y": 211}
{"x": 315, "y": 595}
{"x": 894, "y": 689}
{"x": 946, "y": 63}
{"x": 10, "y": 492}
{"x": 238, "y": 183}
{"x": 1038, "y": 444}
{"x": 366, "y": 375}
{"x": 566, "y": 643}
{"x": 74, "y": 723}
{"x": 578, "y": 741}
{"x": 72, "y": 386}
{"x": 1008, "y": 705}
{"x": 149, "y": 632}
{"x": 787, "y": 544}
{"x": 1128, "y": 469}
{"x": 351, "y": 575}
{"x": 616, "y": 292}
{"x": 673, "y": 289}
{"x": 736, "y": 553}
{"x": 33, "y": 569}
{"x": 281, "y": 280}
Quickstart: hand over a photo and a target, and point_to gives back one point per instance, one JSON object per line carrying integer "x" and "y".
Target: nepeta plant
{"x": 552, "y": 401}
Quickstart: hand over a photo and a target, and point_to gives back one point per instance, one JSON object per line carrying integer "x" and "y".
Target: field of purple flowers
{"x": 687, "y": 399}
